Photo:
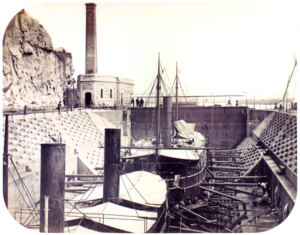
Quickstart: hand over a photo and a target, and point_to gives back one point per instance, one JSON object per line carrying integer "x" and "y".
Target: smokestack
{"x": 53, "y": 186}
{"x": 111, "y": 164}
{"x": 167, "y": 121}
{"x": 91, "y": 40}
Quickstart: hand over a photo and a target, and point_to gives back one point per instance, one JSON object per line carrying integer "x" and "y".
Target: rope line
{"x": 135, "y": 188}
{"x": 21, "y": 194}
{"x": 127, "y": 192}
{"x": 85, "y": 216}
{"x": 23, "y": 184}
{"x": 32, "y": 213}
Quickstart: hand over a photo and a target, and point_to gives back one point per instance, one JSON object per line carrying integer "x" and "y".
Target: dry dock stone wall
{"x": 278, "y": 132}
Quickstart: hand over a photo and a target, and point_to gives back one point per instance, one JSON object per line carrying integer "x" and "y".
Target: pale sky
{"x": 224, "y": 48}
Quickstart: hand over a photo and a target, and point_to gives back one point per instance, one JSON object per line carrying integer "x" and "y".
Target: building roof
{"x": 103, "y": 78}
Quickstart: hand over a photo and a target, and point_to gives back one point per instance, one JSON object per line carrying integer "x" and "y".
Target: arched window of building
{"x": 110, "y": 93}
{"x": 101, "y": 93}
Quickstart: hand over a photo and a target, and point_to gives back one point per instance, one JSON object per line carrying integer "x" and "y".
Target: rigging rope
{"x": 23, "y": 185}
{"x": 31, "y": 213}
{"x": 167, "y": 75}
{"x": 172, "y": 87}
{"x": 98, "y": 181}
{"x": 136, "y": 188}
{"x": 127, "y": 192}
{"x": 85, "y": 216}
{"x": 151, "y": 92}
{"x": 19, "y": 190}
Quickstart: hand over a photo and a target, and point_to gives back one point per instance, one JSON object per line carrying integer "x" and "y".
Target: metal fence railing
{"x": 55, "y": 110}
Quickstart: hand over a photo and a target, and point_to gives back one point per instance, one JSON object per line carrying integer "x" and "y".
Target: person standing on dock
{"x": 137, "y": 102}
{"x": 141, "y": 102}
{"x": 132, "y": 102}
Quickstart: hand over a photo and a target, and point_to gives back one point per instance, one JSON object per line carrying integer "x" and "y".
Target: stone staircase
{"x": 281, "y": 137}
{"x": 78, "y": 131}
{"x": 250, "y": 155}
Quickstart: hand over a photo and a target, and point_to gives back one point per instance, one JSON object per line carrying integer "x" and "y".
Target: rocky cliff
{"x": 34, "y": 74}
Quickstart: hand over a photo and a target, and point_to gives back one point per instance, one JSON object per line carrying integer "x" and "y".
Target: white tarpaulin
{"x": 184, "y": 128}
{"x": 139, "y": 153}
{"x": 120, "y": 217}
{"x": 187, "y": 131}
{"x": 141, "y": 187}
{"x": 199, "y": 139}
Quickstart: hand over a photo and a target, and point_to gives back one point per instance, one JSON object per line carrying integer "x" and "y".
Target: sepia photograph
{"x": 149, "y": 117}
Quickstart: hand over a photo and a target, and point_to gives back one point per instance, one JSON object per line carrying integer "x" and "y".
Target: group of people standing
{"x": 139, "y": 102}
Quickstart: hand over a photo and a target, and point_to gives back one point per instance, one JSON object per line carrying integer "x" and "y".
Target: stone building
{"x": 94, "y": 89}
{"x": 99, "y": 90}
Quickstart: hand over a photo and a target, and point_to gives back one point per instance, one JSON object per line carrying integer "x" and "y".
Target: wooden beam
{"x": 239, "y": 190}
{"x": 228, "y": 230}
{"x": 205, "y": 222}
{"x": 85, "y": 175}
{"x": 178, "y": 213}
{"x": 197, "y": 221}
{"x": 218, "y": 211}
{"x": 213, "y": 156}
{"x": 237, "y": 177}
{"x": 201, "y": 217}
{"x": 210, "y": 172}
{"x": 184, "y": 225}
{"x": 189, "y": 230}
{"x": 219, "y": 162}
{"x": 155, "y": 148}
{"x": 220, "y": 168}
{"x": 68, "y": 190}
{"x": 207, "y": 229}
{"x": 222, "y": 194}
{"x": 230, "y": 184}
{"x": 233, "y": 150}
{"x": 197, "y": 205}
{"x": 225, "y": 153}
{"x": 219, "y": 204}
{"x": 99, "y": 168}
{"x": 231, "y": 226}
{"x": 83, "y": 182}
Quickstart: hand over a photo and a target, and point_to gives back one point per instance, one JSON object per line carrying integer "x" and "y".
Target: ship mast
{"x": 158, "y": 114}
{"x": 176, "y": 80}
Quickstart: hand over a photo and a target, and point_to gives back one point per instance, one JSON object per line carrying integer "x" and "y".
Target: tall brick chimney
{"x": 91, "y": 40}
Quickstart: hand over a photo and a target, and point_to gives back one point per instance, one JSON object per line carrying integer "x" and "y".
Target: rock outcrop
{"x": 34, "y": 74}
